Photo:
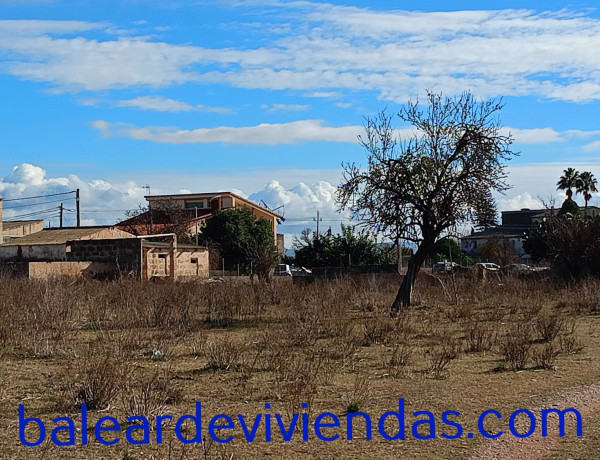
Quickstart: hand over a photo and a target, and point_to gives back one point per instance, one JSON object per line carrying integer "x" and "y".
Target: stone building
{"x": 102, "y": 252}
{"x": 191, "y": 210}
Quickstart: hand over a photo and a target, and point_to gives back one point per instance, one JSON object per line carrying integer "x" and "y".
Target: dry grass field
{"x": 129, "y": 348}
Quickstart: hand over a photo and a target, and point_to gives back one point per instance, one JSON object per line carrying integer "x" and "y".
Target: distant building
{"x": 191, "y": 210}
{"x": 513, "y": 231}
{"x": 14, "y": 229}
{"x": 102, "y": 251}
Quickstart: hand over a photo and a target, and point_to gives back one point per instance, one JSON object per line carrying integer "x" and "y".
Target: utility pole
{"x": 318, "y": 219}
{"x": 197, "y": 232}
{"x": 77, "y": 203}
{"x": 61, "y": 215}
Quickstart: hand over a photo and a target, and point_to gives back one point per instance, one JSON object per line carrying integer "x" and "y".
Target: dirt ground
{"x": 128, "y": 348}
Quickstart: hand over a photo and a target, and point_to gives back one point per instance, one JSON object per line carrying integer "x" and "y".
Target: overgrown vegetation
{"x": 127, "y": 347}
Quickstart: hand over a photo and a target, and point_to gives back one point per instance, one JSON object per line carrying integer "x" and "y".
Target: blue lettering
{"x": 23, "y": 422}
{"x": 197, "y": 420}
{"x": 350, "y": 417}
{"x": 447, "y": 421}
{"x": 319, "y": 425}
{"x": 98, "y": 429}
{"x": 212, "y": 426}
{"x": 513, "y": 429}
{"x": 70, "y": 428}
{"x": 143, "y": 426}
{"x": 399, "y": 416}
{"x": 430, "y": 421}
{"x": 482, "y": 430}
{"x": 250, "y": 435}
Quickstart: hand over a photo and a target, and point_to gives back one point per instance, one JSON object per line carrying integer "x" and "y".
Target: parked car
{"x": 444, "y": 267}
{"x": 517, "y": 268}
{"x": 488, "y": 266}
{"x": 283, "y": 270}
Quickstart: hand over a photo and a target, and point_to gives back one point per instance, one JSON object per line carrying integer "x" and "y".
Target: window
{"x": 194, "y": 204}
{"x": 194, "y": 261}
{"x": 162, "y": 256}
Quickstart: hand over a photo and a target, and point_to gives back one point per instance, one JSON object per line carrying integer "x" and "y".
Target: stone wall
{"x": 124, "y": 253}
{"x": 192, "y": 263}
{"x": 189, "y": 263}
{"x": 50, "y": 269}
{"x": 157, "y": 263}
{"x": 33, "y": 252}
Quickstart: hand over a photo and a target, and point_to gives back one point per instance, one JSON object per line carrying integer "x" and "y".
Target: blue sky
{"x": 266, "y": 97}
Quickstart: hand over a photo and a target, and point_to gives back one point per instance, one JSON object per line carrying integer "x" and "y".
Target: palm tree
{"x": 568, "y": 181}
{"x": 586, "y": 184}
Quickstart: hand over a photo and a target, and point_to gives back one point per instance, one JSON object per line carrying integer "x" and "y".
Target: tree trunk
{"x": 403, "y": 297}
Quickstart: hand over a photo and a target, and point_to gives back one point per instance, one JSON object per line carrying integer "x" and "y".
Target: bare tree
{"x": 166, "y": 216}
{"x": 421, "y": 186}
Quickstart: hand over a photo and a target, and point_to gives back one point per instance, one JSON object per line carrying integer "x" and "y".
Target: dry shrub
{"x": 395, "y": 363}
{"x": 543, "y": 357}
{"x": 97, "y": 382}
{"x": 149, "y": 395}
{"x": 479, "y": 337}
{"x": 460, "y": 310}
{"x": 548, "y": 326}
{"x": 37, "y": 316}
{"x": 585, "y": 299}
{"x": 125, "y": 343}
{"x": 226, "y": 306}
{"x": 296, "y": 379}
{"x": 438, "y": 357}
{"x": 358, "y": 395}
{"x": 223, "y": 354}
{"x": 377, "y": 330}
{"x": 515, "y": 345}
{"x": 303, "y": 326}
{"x": 570, "y": 345}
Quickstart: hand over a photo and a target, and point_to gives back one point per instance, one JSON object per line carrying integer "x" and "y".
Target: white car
{"x": 488, "y": 266}
{"x": 283, "y": 270}
{"x": 444, "y": 267}
{"x": 517, "y": 268}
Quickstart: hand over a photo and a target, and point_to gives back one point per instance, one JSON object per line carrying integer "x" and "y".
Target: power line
{"x": 40, "y": 196}
{"x": 33, "y": 204}
{"x": 31, "y": 214}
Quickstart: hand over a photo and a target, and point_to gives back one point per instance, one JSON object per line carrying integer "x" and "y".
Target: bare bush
{"x": 223, "y": 354}
{"x": 548, "y": 326}
{"x": 97, "y": 382}
{"x": 543, "y": 357}
{"x": 439, "y": 356}
{"x": 149, "y": 395}
{"x": 395, "y": 363}
{"x": 570, "y": 345}
{"x": 479, "y": 337}
{"x": 515, "y": 346}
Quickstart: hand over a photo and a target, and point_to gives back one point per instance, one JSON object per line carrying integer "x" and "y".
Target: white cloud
{"x": 163, "y": 104}
{"x": 592, "y": 146}
{"x": 263, "y": 134}
{"x": 300, "y": 204}
{"x": 520, "y": 201}
{"x": 534, "y": 136}
{"x": 286, "y": 107}
{"x": 301, "y": 131}
{"x": 101, "y": 201}
{"x": 324, "y": 94}
{"x": 331, "y": 48}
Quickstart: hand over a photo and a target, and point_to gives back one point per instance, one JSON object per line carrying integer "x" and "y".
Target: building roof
{"x": 12, "y": 224}
{"x": 213, "y": 195}
{"x": 160, "y": 217}
{"x": 494, "y": 231}
{"x": 60, "y": 235}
